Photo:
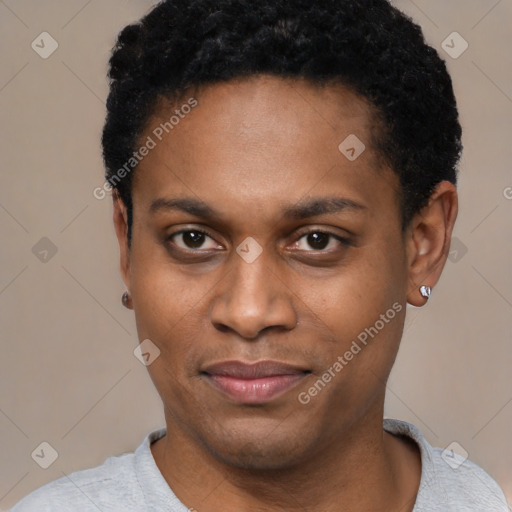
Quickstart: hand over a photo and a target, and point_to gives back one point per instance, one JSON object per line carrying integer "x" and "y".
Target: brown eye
{"x": 192, "y": 239}
{"x": 319, "y": 240}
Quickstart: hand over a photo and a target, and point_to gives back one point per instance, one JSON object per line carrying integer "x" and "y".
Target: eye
{"x": 319, "y": 241}
{"x": 201, "y": 241}
{"x": 192, "y": 239}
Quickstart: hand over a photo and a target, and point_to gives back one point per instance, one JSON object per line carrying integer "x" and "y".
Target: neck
{"x": 365, "y": 469}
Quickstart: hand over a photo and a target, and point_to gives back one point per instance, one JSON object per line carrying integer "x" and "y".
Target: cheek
{"x": 357, "y": 294}
{"x": 163, "y": 297}
{"x": 167, "y": 305}
{"x": 363, "y": 307}
{"x": 171, "y": 305}
{"x": 162, "y": 292}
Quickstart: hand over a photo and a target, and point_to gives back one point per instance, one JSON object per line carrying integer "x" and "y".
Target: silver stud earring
{"x": 425, "y": 291}
{"x": 126, "y": 300}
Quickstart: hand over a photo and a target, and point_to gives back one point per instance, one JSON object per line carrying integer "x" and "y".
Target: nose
{"x": 252, "y": 298}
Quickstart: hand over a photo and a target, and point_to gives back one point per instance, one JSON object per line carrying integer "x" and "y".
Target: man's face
{"x": 254, "y": 151}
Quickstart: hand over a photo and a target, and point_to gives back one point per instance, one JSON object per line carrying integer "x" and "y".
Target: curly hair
{"x": 367, "y": 45}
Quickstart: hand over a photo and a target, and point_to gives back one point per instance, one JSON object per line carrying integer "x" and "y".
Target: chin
{"x": 255, "y": 457}
{"x": 258, "y": 449}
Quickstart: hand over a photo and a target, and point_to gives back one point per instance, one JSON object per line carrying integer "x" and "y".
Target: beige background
{"x": 67, "y": 369}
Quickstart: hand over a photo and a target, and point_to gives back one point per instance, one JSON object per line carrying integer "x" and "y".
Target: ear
{"x": 428, "y": 240}
{"x": 121, "y": 227}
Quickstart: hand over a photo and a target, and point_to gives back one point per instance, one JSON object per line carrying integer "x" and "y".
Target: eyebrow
{"x": 188, "y": 205}
{"x": 321, "y": 206}
{"x": 301, "y": 210}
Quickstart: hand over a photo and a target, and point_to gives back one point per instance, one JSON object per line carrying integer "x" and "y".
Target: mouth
{"x": 253, "y": 383}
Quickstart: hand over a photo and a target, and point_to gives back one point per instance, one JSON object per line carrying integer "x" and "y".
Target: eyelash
{"x": 343, "y": 241}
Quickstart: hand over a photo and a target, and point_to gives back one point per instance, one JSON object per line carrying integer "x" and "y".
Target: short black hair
{"x": 367, "y": 45}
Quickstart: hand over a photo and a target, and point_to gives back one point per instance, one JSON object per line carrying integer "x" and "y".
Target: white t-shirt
{"x": 132, "y": 482}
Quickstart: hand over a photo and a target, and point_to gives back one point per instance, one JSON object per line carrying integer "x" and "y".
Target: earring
{"x": 425, "y": 291}
{"x": 126, "y": 300}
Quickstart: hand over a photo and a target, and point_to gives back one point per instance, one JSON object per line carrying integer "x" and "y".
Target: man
{"x": 284, "y": 184}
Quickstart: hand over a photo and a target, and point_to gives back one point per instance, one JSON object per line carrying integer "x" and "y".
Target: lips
{"x": 253, "y": 383}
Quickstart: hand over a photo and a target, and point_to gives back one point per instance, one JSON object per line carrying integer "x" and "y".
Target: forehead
{"x": 256, "y": 141}
{"x": 261, "y": 104}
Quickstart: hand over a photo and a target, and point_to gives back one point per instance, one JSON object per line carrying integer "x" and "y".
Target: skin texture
{"x": 251, "y": 148}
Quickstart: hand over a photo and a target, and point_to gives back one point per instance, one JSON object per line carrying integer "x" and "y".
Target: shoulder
{"x": 465, "y": 483}
{"x": 104, "y": 488}
{"x": 450, "y": 480}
